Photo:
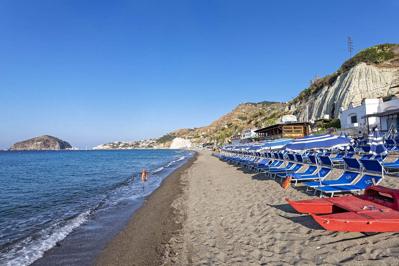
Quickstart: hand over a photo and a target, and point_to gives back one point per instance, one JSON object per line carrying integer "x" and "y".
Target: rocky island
{"x": 41, "y": 143}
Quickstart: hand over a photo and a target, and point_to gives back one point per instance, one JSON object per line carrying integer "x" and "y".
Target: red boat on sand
{"x": 377, "y": 210}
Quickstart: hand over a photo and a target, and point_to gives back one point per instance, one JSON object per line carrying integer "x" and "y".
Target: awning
{"x": 386, "y": 113}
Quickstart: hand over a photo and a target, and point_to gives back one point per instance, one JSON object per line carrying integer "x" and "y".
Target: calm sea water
{"x": 44, "y": 196}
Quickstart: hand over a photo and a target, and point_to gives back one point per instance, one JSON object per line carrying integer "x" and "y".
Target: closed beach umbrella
{"x": 370, "y": 138}
{"x": 315, "y": 142}
{"x": 349, "y": 148}
{"x": 377, "y": 144}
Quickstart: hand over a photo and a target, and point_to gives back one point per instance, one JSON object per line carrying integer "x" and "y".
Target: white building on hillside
{"x": 288, "y": 119}
{"x": 249, "y": 134}
{"x": 372, "y": 113}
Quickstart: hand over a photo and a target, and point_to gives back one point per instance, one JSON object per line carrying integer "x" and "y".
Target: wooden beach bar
{"x": 287, "y": 130}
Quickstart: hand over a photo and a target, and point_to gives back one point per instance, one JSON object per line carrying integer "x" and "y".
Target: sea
{"x": 62, "y": 207}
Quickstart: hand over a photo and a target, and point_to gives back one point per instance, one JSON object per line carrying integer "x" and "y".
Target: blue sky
{"x": 91, "y": 72}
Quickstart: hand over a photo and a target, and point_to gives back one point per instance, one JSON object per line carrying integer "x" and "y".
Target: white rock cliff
{"x": 361, "y": 81}
{"x": 180, "y": 143}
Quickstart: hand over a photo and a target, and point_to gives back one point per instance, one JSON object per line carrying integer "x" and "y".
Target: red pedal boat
{"x": 377, "y": 210}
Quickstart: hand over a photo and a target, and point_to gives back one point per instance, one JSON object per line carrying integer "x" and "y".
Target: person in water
{"x": 144, "y": 175}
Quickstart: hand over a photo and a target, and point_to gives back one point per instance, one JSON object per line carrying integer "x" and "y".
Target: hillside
{"x": 373, "y": 72}
{"x": 244, "y": 116}
{"x": 41, "y": 143}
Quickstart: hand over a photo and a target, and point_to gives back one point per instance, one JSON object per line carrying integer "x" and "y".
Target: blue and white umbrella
{"x": 274, "y": 144}
{"x": 377, "y": 144}
{"x": 314, "y": 142}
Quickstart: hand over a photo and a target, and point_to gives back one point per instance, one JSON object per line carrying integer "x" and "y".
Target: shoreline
{"x": 143, "y": 240}
{"x": 85, "y": 243}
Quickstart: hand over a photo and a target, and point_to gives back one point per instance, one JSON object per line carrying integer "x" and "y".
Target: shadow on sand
{"x": 304, "y": 220}
{"x": 261, "y": 176}
{"x": 284, "y": 207}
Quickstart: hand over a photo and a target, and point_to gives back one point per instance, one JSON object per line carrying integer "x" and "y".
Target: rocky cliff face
{"x": 360, "y": 82}
{"x": 364, "y": 76}
{"x": 41, "y": 143}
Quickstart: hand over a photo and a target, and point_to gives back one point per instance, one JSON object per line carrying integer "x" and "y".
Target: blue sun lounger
{"x": 264, "y": 165}
{"x": 366, "y": 148}
{"x": 366, "y": 156}
{"x": 259, "y": 163}
{"x": 311, "y": 167}
{"x": 373, "y": 176}
{"x": 252, "y": 163}
{"x": 391, "y": 145}
{"x": 338, "y": 159}
{"x": 352, "y": 171}
{"x": 380, "y": 157}
{"x": 391, "y": 166}
{"x": 275, "y": 170}
{"x": 274, "y": 162}
{"x": 280, "y": 166}
{"x": 321, "y": 174}
{"x": 297, "y": 165}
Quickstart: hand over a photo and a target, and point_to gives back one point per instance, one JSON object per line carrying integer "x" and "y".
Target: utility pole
{"x": 350, "y": 46}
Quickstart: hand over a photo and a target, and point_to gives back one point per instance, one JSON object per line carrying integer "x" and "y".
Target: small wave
{"x": 181, "y": 158}
{"x": 158, "y": 170}
{"x": 32, "y": 248}
{"x": 175, "y": 161}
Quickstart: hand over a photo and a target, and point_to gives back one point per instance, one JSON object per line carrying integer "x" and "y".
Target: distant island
{"x": 45, "y": 142}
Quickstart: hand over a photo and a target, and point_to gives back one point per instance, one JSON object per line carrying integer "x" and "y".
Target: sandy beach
{"x": 211, "y": 213}
{"x": 144, "y": 239}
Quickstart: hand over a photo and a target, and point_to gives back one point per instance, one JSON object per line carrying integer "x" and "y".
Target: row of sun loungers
{"x": 312, "y": 170}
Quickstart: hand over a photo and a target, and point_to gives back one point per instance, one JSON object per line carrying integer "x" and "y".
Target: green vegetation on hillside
{"x": 244, "y": 116}
{"x": 334, "y": 123}
{"x": 165, "y": 138}
{"x": 372, "y": 55}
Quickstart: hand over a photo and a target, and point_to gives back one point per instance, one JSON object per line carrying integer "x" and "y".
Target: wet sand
{"x": 212, "y": 213}
{"x": 144, "y": 239}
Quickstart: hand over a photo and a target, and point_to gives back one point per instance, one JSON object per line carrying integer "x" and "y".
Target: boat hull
{"x": 356, "y": 224}
{"x": 375, "y": 211}
{"x": 318, "y": 206}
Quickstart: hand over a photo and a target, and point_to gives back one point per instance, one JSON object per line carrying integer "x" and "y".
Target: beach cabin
{"x": 286, "y": 130}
